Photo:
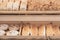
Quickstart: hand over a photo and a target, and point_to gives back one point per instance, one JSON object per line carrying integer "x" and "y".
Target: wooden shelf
{"x": 22, "y": 37}
{"x": 29, "y": 17}
{"x": 29, "y": 12}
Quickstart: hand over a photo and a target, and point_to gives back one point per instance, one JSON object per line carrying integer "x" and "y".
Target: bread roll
{"x": 14, "y": 27}
{"x": 2, "y": 32}
{"x": 4, "y": 26}
{"x": 12, "y": 33}
{"x": 42, "y": 30}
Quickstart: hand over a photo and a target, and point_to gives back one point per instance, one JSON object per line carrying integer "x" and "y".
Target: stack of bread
{"x": 3, "y": 27}
{"x": 13, "y": 30}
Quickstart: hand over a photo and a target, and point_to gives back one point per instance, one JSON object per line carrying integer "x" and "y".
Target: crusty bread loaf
{"x": 4, "y": 26}
{"x": 30, "y": 30}
{"x": 50, "y": 30}
{"x": 25, "y": 30}
{"x": 12, "y": 33}
{"x": 2, "y": 32}
{"x": 56, "y": 30}
{"x": 14, "y": 27}
{"x": 34, "y": 30}
{"x": 42, "y": 30}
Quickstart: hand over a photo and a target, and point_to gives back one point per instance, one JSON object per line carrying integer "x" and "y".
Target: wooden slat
{"x": 29, "y": 12}
{"x": 29, "y": 17}
{"x": 22, "y": 37}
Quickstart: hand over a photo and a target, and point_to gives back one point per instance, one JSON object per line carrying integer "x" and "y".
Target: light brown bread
{"x": 42, "y": 30}
{"x": 49, "y": 30}
{"x": 14, "y": 27}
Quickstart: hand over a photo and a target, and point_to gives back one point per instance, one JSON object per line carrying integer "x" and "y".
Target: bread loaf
{"x": 2, "y": 32}
{"x": 12, "y": 33}
{"x": 42, "y": 30}
{"x": 25, "y": 30}
{"x": 29, "y": 30}
{"x": 14, "y": 27}
{"x": 34, "y": 30}
{"x": 50, "y": 30}
{"x": 4, "y": 26}
{"x": 56, "y": 30}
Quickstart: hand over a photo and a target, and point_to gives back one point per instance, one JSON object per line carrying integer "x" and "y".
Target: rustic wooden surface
{"x": 30, "y": 12}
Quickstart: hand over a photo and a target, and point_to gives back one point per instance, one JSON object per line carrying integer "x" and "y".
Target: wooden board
{"x": 29, "y": 12}
{"x": 50, "y": 18}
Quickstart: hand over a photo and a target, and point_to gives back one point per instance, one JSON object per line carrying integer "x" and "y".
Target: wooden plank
{"x": 30, "y": 18}
{"x": 22, "y": 37}
{"x": 29, "y": 12}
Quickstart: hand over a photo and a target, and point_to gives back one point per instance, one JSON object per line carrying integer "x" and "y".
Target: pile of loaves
{"x": 30, "y": 5}
{"x": 29, "y": 30}
{"x": 13, "y": 4}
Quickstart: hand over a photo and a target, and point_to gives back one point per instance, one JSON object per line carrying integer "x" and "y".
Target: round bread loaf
{"x": 14, "y": 27}
{"x": 12, "y": 33}
{"x": 2, "y": 32}
{"x": 4, "y": 26}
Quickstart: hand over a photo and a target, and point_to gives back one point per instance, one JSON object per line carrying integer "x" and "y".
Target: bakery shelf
{"x": 29, "y": 17}
{"x": 29, "y": 12}
{"x": 22, "y": 37}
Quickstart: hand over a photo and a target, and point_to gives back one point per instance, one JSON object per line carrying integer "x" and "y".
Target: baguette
{"x": 42, "y": 30}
